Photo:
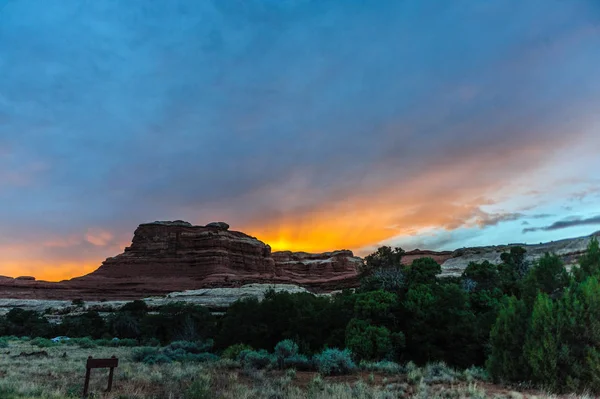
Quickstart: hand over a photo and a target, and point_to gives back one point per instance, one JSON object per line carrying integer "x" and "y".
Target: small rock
{"x": 218, "y": 225}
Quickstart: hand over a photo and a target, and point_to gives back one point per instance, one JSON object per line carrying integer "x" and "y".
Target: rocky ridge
{"x": 176, "y": 260}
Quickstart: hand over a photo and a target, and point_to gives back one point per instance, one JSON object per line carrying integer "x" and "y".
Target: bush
{"x": 384, "y": 366}
{"x": 191, "y": 346}
{"x": 157, "y": 359}
{"x": 199, "y": 389}
{"x": 476, "y": 374}
{"x": 86, "y": 342}
{"x": 439, "y": 372}
{"x": 256, "y": 359}
{"x": 299, "y": 362}
{"x": 3, "y": 343}
{"x": 285, "y": 349}
{"x": 42, "y": 343}
{"x": 335, "y": 362}
{"x": 152, "y": 342}
{"x": 234, "y": 351}
{"x": 138, "y": 355}
{"x": 127, "y": 342}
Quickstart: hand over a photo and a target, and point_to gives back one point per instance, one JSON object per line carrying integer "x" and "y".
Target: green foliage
{"x": 256, "y": 359}
{"x": 384, "y": 366}
{"x": 540, "y": 349}
{"x": 371, "y": 342}
{"x": 589, "y": 263}
{"x": 507, "y": 339}
{"x": 180, "y": 351}
{"x": 85, "y": 342}
{"x": 232, "y": 352}
{"x": 422, "y": 271}
{"x": 335, "y": 362}
{"x": 548, "y": 276}
{"x": 284, "y": 350}
{"x": 299, "y": 362}
{"x": 200, "y": 389}
{"x": 192, "y": 347}
{"x": 384, "y": 258}
{"x": 43, "y": 343}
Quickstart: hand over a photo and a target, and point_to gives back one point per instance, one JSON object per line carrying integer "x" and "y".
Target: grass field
{"x": 59, "y": 373}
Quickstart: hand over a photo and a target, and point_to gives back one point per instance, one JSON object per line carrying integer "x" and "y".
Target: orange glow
{"x": 443, "y": 196}
{"x": 48, "y": 271}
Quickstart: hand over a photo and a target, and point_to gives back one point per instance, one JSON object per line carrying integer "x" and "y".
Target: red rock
{"x": 25, "y": 278}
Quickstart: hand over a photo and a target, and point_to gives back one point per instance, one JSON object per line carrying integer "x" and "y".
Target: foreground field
{"x": 58, "y": 373}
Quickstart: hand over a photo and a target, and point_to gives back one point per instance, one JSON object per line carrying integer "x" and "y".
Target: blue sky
{"x": 311, "y": 124}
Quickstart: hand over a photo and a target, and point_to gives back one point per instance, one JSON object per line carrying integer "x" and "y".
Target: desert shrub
{"x": 127, "y": 342}
{"x": 383, "y": 366}
{"x": 256, "y": 359}
{"x": 3, "y": 343}
{"x": 180, "y": 355}
{"x": 439, "y": 372}
{"x": 86, "y": 342}
{"x": 335, "y": 362}
{"x": 42, "y": 343}
{"x": 413, "y": 373}
{"x": 227, "y": 364}
{"x": 233, "y": 351}
{"x": 157, "y": 359}
{"x": 199, "y": 389}
{"x": 139, "y": 354}
{"x": 151, "y": 342}
{"x": 191, "y": 346}
{"x": 476, "y": 374}
{"x": 285, "y": 349}
{"x": 299, "y": 362}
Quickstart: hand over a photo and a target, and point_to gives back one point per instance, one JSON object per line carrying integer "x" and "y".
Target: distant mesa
{"x": 172, "y": 256}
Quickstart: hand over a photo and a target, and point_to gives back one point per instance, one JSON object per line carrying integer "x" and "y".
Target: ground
{"x": 58, "y": 373}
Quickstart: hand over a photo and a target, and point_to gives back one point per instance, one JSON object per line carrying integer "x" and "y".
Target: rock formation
{"x": 167, "y": 257}
{"x": 174, "y": 256}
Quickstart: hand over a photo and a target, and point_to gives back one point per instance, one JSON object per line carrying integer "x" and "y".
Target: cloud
{"x": 99, "y": 237}
{"x": 312, "y": 125}
{"x": 563, "y": 224}
{"x": 493, "y": 219}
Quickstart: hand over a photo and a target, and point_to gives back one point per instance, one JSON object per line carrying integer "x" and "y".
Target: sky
{"x": 311, "y": 124}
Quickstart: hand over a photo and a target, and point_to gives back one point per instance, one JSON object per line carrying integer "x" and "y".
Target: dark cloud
{"x": 495, "y": 218}
{"x": 276, "y": 114}
{"x": 563, "y": 224}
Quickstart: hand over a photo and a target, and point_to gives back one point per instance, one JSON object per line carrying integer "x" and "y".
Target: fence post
{"x": 110, "y": 377}
{"x": 86, "y": 384}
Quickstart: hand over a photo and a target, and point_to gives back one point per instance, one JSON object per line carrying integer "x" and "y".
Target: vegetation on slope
{"x": 526, "y": 323}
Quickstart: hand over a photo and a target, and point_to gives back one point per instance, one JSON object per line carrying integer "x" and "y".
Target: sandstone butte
{"x": 166, "y": 257}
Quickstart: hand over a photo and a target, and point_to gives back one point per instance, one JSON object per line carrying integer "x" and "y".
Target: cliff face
{"x": 180, "y": 250}
{"x": 174, "y": 256}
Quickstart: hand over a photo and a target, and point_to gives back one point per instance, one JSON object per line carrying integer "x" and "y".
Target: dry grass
{"x": 60, "y": 376}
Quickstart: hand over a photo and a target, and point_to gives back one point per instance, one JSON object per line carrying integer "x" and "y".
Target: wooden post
{"x": 110, "y": 377}
{"x": 86, "y": 384}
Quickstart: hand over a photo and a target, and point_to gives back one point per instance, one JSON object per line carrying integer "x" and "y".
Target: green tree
{"x": 384, "y": 258}
{"x": 589, "y": 263}
{"x": 371, "y": 342}
{"x": 541, "y": 343}
{"x": 549, "y": 276}
{"x": 422, "y": 271}
{"x": 506, "y": 362}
